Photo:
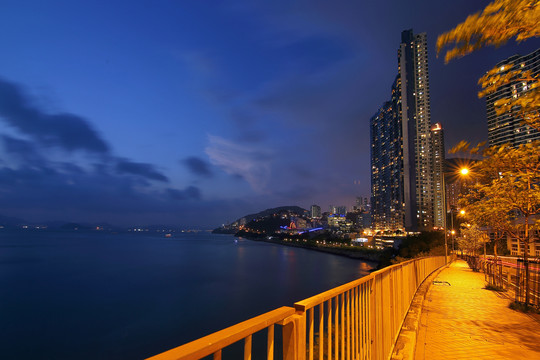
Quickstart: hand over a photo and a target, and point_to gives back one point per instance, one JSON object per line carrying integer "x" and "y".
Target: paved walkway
{"x": 462, "y": 320}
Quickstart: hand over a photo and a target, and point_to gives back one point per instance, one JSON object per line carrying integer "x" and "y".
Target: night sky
{"x": 195, "y": 113}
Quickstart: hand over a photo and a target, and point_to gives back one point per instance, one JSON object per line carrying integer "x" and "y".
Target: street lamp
{"x": 464, "y": 171}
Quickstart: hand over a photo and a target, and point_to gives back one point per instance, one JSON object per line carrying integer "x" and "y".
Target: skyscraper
{"x": 315, "y": 211}
{"x": 438, "y": 162}
{"x": 387, "y": 208}
{"x": 406, "y": 188}
{"x": 508, "y": 128}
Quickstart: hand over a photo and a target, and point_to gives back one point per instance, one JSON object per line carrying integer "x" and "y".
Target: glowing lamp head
{"x": 462, "y": 212}
{"x": 464, "y": 171}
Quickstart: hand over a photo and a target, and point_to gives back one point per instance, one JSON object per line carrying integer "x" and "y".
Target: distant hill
{"x": 269, "y": 225}
{"x": 292, "y": 209}
{"x": 9, "y": 221}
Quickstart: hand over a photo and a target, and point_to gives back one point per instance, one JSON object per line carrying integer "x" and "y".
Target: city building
{"x": 315, "y": 211}
{"x": 508, "y": 128}
{"x": 338, "y": 210}
{"x": 407, "y": 154}
{"x": 362, "y": 204}
{"x": 387, "y": 210}
{"x": 437, "y": 151}
{"x": 517, "y": 247}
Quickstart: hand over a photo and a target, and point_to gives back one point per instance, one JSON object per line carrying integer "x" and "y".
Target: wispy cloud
{"x": 198, "y": 166}
{"x": 68, "y": 131}
{"x": 248, "y": 162}
{"x": 145, "y": 170}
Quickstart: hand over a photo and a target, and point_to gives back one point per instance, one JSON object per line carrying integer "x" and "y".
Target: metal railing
{"x": 358, "y": 320}
{"x": 508, "y": 273}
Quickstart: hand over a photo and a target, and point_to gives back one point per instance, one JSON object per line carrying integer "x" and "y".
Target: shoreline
{"x": 374, "y": 258}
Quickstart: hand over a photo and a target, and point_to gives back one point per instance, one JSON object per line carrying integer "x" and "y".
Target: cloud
{"x": 191, "y": 192}
{"x": 251, "y": 163}
{"x": 22, "y": 150}
{"x": 68, "y": 131}
{"x": 148, "y": 171}
{"x": 198, "y": 166}
{"x": 64, "y": 192}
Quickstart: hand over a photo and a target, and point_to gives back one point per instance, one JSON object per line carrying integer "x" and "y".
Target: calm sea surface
{"x": 130, "y": 296}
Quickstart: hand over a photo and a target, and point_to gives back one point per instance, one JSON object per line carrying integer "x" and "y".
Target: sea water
{"x": 94, "y": 295}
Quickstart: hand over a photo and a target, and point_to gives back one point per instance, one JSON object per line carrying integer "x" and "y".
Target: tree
{"x": 507, "y": 194}
{"x": 499, "y": 22}
{"x": 472, "y": 238}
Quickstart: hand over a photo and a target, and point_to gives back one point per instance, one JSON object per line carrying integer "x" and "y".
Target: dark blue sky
{"x": 199, "y": 112}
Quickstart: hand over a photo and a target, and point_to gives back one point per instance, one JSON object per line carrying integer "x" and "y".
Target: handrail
{"x": 315, "y": 300}
{"x": 360, "y": 319}
{"x": 324, "y": 296}
{"x": 213, "y": 343}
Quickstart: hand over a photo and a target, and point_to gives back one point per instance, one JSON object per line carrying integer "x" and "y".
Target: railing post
{"x": 294, "y": 337}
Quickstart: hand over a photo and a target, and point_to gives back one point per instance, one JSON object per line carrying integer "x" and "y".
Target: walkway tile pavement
{"x": 462, "y": 320}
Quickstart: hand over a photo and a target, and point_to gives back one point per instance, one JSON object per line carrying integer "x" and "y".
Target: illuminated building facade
{"x": 438, "y": 162}
{"x": 315, "y": 211}
{"x": 508, "y": 128}
{"x": 407, "y": 191}
{"x": 387, "y": 210}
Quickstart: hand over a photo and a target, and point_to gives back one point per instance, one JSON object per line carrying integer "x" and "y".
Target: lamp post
{"x": 464, "y": 171}
{"x": 445, "y": 224}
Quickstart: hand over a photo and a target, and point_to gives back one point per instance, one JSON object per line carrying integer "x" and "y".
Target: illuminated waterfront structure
{"x": 406, "y": 180}
{"x": 508, "y": 128}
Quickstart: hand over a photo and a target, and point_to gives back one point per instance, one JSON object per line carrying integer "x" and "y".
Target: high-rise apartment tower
{"x": 508, "y": 128}
{"x": 406, "y": 188}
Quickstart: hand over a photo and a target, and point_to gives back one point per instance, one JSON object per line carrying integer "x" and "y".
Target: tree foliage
{"x": 472, "y": 238}
{"x": 507, "y": 187}
{"x": 506, "y": 196}
{"x": 524, "y": 89}
{"x": 499, "y": 22}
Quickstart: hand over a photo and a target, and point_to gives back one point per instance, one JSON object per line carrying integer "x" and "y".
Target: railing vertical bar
{"x": 360, "y": 320}
{"x": 217, "y": 355}
{"x": 348, "y": 325}
{"x": 368, "y": 319}
{"x": 352, "y": 323}
{"x": 329, "y": 325}
{"x": 357, "y": 322}
{"x": 321, "y": 330}
{"x": 355, "y": 325}
{"x": 311, "y": 311}
{"x": 336, "y": 326}
{"x": 365, "y": 323}
{"x": 343, "y": 326}
{"x": 247, "y": 347}
{"x": 393, "y": 316}
{"x": 270, "y": 343}
{"x": 374, "y": 319}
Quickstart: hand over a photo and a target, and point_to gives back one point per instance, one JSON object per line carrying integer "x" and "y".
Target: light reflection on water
{"x": 124, "y": 296}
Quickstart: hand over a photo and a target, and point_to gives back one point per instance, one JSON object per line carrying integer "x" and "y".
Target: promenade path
{"x": 462, "y": 320}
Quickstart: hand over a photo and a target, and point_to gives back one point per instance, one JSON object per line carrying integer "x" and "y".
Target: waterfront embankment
{"x": 349, "y": 251}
